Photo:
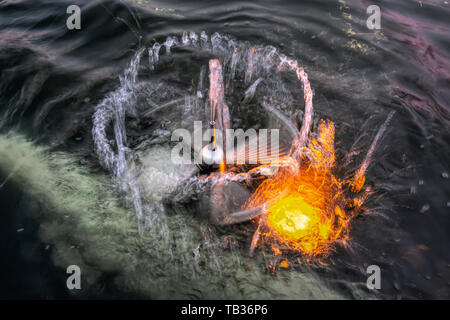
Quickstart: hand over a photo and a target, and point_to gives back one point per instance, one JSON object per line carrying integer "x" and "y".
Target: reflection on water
{"x": 52, "y": 79}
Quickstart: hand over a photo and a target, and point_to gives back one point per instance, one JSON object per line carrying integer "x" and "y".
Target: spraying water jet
{"x": 297, "y": 199}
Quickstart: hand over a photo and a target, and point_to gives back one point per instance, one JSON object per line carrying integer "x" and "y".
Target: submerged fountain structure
{"x": 297, "y": 200}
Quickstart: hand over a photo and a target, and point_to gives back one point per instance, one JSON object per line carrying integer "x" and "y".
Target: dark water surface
{"x": 52, "y": 78}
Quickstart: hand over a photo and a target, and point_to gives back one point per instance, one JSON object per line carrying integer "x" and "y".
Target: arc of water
{"x": 220, "y": 116}
{"x": 216, "y": 92}
{"x": 111, "y": 108}
{"x": 305, "y": 129}
{"x": 358, "y": 180}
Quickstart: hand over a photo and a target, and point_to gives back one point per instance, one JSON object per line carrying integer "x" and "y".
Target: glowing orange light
{"x": 304, "y": 208}
{"x": 292, "y": 216}
{"x": 222, "y": 167}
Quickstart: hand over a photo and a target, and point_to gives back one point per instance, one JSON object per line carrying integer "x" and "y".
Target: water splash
{"x": 240, "y": 60}
{"x": 113, "y": 109}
